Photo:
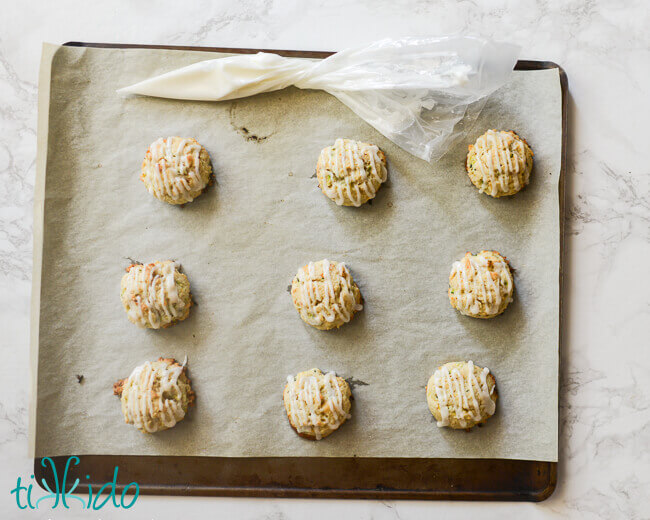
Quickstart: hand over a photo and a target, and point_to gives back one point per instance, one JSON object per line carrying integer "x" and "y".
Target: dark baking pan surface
{"x": 325, "y": 477}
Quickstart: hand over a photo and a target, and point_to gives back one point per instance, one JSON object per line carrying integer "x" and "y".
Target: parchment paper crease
{"x": 242, "y": 242}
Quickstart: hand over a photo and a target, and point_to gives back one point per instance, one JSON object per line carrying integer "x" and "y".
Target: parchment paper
{"x": 242, "y": 242}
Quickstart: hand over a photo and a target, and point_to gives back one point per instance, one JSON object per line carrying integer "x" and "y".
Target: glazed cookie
{"x": 499, "y": 163}
{"x": 155, "y": 396}
{"x": 325, "y": 294}
{"x": 461, "y": 395}
{"x": 481, "y": 285}
{"x": 176, "y": 169}
{"x": 316, "y": 403}
{"x": 155, "y": 295}
{"x": 351, "y": 172}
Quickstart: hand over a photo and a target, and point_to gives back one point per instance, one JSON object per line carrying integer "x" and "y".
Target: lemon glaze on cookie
{"x": 174, "y": 171}
{"x": 351, "y": 172}
{"x": 325, "y": 294}
{"x": 458, "y": 391}
{"x": 499, "y": 163}
{"x": 316, "y": 403}
{"x": 151, "y": 294}
{"x": 481, "y": 285}
{"x": 156, "y": 395}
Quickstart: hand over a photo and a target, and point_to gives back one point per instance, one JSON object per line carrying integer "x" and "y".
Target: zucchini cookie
{"x": 316, "y": 403}
{"x": 155, "y": 396}
{"x": 499, "y": 163}
{"x": 155, "y": 295}
{"x": 176, "y": 170}
{"x": 481, "y": 285}
{"x": 325, "y": 294}
{"x": 461, "y": 395}
{"x": 351, "y": 172}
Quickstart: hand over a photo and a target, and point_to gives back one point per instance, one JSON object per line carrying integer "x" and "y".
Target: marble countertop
{"x": 604, "y": 46}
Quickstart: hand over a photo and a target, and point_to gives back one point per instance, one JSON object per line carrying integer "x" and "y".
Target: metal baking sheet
{"x": 368, "y": 477}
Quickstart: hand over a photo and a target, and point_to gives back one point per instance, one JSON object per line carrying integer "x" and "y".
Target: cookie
{"x": 176, "y": 170}
{"x": 325, "y": 294}
{"x": 156, "y": 395}
{"x": 155, "y": 295}
{"x": 461, "y": 395}
{"x": 499, "y": 163}
{"x": 316, "y": 403}
{"x": 481, "y": 285}
{"x": 351, "y": 172}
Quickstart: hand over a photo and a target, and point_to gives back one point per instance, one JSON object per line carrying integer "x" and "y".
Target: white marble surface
{"x": 603, "y": 46}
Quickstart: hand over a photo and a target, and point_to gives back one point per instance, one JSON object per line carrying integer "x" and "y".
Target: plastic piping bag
{"x": 421, "y": 93}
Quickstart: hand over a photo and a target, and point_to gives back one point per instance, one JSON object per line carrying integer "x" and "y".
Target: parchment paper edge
{"x": 43, "y": 105}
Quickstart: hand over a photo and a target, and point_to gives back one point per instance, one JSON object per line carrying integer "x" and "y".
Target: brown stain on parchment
{"x": 247, "y": 134}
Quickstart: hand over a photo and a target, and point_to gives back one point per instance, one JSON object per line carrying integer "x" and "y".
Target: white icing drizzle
{"x": 500, "y": 157}
{"x": 175, "y": 172}
{"x": 346, "y": 162}
{"x": 151, "y": 294}
{"x": 478, "y": 285}
{"x": 466, "y": 394}
{"x": 329, "y": 308}
{"x": 144, "y": 402}
{"x": 306, "y": 403}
